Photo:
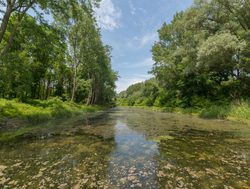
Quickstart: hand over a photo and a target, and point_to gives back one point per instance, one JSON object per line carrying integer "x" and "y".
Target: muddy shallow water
{"x": 127, "y": 148}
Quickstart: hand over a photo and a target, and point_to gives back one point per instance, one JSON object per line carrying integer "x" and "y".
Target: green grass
{"x": 240, "y": 112}
{"x": 215, "y": 111}
{"x": 38, "y": 111}
{"x": 235, "y": 111}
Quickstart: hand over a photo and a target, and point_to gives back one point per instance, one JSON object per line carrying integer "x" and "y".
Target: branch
{"x": 229, "y": 8}
{"x": 12, "y": 35}
{"x": 10, "y": 41}
{"x": 5, "y": 19}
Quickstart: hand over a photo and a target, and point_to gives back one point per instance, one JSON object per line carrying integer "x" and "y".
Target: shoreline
{"x": 46, "y": 129}
{"x": 192, "y": 112}
{"x": 15, "y": 114}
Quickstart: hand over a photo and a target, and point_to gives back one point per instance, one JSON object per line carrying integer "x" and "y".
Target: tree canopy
{"x": 65, "y": 58}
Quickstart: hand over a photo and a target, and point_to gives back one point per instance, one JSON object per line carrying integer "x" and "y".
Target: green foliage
{"x": 140, "y": 94}
{"x": 240, "y": 111}
{"x": 236, "y": 111}
{"x": 201, "y": 63}
{"x": 203, "y": 53}
{"x": 217, "y": 53}
{"x": 37, "y": 110}
{"x": 65, "y": 59}
{"x": 215, "y": 111}
{"x": 201, "y": 56}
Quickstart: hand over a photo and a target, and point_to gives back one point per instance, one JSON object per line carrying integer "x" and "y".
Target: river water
{"x": 127, "y": 148}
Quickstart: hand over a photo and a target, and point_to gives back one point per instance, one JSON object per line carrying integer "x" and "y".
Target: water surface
{"x": 127, "y": 148}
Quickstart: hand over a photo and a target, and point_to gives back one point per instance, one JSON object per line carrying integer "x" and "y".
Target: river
{"x": 127, "y": 148}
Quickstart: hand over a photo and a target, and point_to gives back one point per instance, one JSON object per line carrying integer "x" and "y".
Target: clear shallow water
{"x": 128, "y": 148}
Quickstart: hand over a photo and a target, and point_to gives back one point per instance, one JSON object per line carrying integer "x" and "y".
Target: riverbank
{"x": 14, "y": 113}
{"x": 239, "y": 112}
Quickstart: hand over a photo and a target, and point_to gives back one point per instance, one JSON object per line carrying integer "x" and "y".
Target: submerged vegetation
{"x": 128, "y": 148}
{"x": 202, "y": 63}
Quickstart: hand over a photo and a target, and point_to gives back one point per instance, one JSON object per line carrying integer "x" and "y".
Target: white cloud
{"x": 132, "y": 8}
{"x": 143, "y": 41}
{"x": 108, "y": 15}
{"x": 148, "y": 62}
{"x": 124, "y": 83}
{"x": 148, "y": 38}
{"x": 142, "y": 10}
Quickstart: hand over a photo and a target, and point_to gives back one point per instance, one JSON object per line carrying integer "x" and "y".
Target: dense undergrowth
{"x": 234, "y": 111}
{"x": 37, "y": 110}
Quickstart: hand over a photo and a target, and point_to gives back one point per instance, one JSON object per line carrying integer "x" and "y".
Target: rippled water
{"x": 127, "y": 148}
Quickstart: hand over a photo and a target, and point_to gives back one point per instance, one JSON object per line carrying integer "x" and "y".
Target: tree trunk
{"x": 74, "y": 84}
{"x": 96, "y": 95}
{"x": 9, "y": 43}
{"x": 75, "y": 65}
{"x": 47, "y": 89}
{"x": 8, "y": 12}
{"x": 5, "y": 20}
{"x": 38, "y": 92}
{"x": 90, "y": 96}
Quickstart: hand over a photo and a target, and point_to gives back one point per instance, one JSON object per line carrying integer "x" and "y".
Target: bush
{"x": 8, "y": 110}
{"x": 198, "y": 102}
{"x": 59, "y": 110}
{"x": 215, "y": 111}
{"x": 37, "y": 110}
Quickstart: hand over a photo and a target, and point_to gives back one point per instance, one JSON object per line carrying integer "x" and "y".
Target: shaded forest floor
{"x": 14, "y": 113}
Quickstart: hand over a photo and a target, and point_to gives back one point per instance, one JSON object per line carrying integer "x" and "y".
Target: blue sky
{"x": 130, "y": 27}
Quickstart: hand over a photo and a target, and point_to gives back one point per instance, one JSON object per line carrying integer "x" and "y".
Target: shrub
{"x": 215, "y": 111}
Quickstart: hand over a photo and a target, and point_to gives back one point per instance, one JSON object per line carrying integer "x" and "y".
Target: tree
{"x": 65, "y": 58}
{"x": 219, "y": 54}
{"x": 206, "y": 45}
{"x": 36, "y": 47}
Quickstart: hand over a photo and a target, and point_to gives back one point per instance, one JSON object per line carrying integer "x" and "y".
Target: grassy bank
{"x": 234, "y": 111}
{"x": 36, "y": 111}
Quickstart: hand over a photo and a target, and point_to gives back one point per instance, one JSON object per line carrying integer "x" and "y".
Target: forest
{"x": 62, "y": 56}
{"x": 202, "y": 62}
{"x": 52, "y": 58}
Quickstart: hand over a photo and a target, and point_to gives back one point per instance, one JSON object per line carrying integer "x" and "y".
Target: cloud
{"x": 142, "y": 10}
{"x": 108, "y": 15}
{"x": 132, "y": 8}
{"x": 148, "y": 38}
{"x": 148, "y": 62}
{"x": 140, "y": 42}
{"x": 124, "y": 82}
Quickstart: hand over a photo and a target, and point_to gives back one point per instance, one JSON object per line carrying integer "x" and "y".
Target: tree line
{"x": 202, "y": 57}
{"x": 62, "y": 56}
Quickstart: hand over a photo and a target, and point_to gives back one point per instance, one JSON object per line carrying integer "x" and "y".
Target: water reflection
{"x": 128, "y": 148}
{"x": 132, "y": 163}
